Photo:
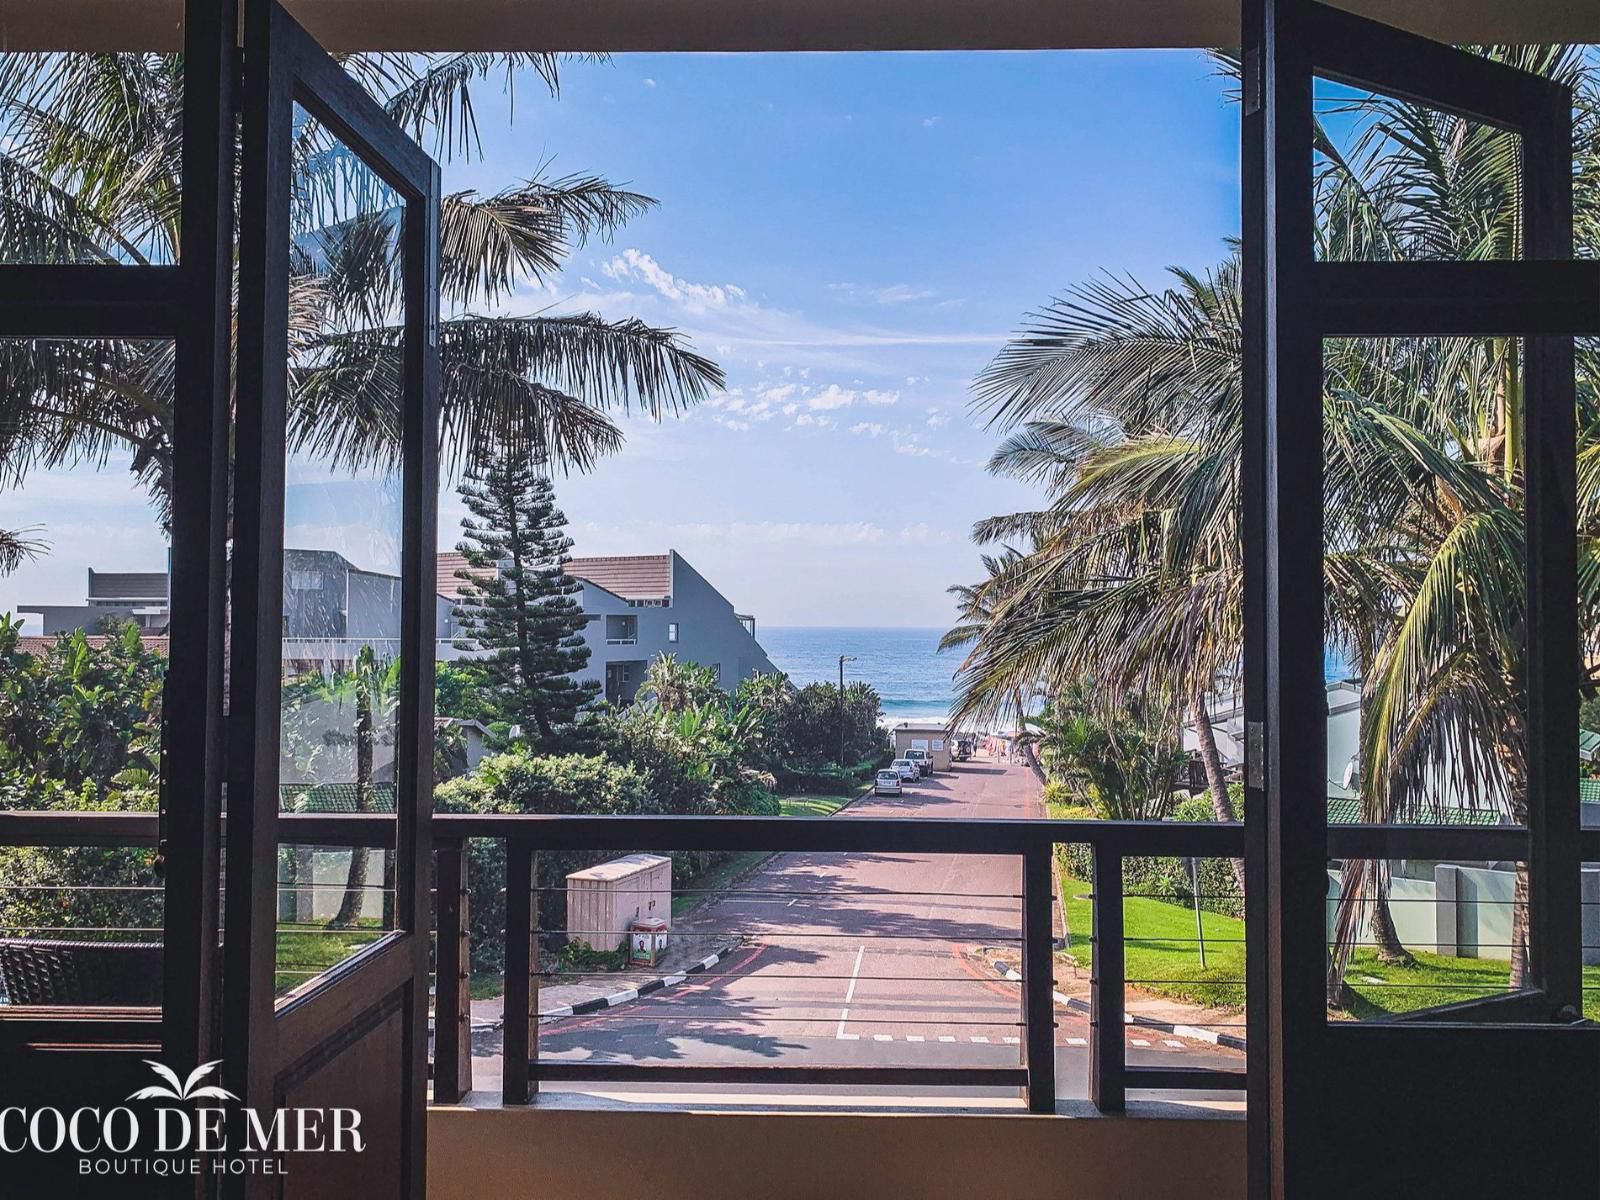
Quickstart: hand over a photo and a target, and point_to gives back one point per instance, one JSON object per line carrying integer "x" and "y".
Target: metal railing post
{"x": 452, "y": 1004}
{"x": 518, "y": 1015}
{"x": 1108, "y": 1053}
{"x": 1038, "y": 978}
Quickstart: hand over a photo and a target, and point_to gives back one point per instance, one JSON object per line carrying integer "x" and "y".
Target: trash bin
{"x": 647, "y": 941}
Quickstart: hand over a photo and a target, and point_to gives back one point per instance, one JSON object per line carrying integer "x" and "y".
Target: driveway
{"x": 859, "y": 960}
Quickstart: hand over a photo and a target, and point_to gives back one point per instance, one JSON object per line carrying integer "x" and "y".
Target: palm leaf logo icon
{"x": 184, "y": 1089}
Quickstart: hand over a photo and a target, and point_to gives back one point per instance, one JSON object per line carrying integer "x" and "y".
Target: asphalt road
{"x": 861, "y": 960}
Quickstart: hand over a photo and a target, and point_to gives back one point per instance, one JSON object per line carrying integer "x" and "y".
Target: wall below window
{"x": 554, "y": 1153}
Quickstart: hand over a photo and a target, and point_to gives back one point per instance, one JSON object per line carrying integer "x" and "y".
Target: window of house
{"x": 672, "y": 631}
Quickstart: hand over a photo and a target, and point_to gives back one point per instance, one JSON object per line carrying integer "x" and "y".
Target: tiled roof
{"x": 36, "y": 645}
{"x": 448, "y": 585}
{"x": 631, "y": 576}
{"x": 1347, "y": 811}
{"x": 1589, "y": 790}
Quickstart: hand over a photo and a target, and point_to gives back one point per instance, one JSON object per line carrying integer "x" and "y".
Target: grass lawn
{"x": 716, "y": 878}
{"x": 306, "y": 948}
{"x": 1160, "y": 947}
{"x": 812, "y": 806}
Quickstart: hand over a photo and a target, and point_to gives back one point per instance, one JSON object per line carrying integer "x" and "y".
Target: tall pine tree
{"x": 518, "y": 605}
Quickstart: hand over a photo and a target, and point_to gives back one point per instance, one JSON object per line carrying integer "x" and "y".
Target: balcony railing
{"x": 1030, "y": 842}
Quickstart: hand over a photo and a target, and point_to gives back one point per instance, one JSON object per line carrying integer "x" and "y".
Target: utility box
{"x": 604, "y": 901}
{"x": 647, "y": 941}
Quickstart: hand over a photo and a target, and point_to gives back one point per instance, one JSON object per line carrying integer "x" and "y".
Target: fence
{"x": 1031, "y": 842}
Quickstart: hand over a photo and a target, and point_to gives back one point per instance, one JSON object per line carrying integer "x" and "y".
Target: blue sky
{"x": 852, "y": 237}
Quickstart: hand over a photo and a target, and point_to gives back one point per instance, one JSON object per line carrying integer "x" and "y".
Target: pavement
{"x": 858, "y": 960}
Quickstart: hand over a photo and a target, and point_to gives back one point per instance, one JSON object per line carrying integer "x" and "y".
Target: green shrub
{"x": 518, "y": 782}
{"x": 1165, "y": 878}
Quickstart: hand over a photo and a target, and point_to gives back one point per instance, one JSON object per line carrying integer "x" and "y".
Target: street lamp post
{"x": 843, "y": 658}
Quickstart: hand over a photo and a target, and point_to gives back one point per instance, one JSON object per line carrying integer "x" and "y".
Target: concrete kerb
{"x": 628, "y": 995}
{"x": 1192, "y": 1032}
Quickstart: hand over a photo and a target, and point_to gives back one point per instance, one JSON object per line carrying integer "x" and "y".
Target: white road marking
{"x": 883, "y": 1037}
{"x": 1172, "y": 1042}
{"x": 983, "y": 1040}
{"x": 1139, "y": 1041}
{"x": 850, "y": 993}
{"x": 946, "y": 1038}
{"x": 847, "y": 1037}
{"x": 1071, "y": 1041}
{"x": 914, "y": 1037}
{"x": 1012, "y": 1041}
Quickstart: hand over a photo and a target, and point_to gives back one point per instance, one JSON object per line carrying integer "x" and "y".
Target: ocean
{"x": 905, "y": 665}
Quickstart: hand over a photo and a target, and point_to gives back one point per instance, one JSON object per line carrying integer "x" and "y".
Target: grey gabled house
{"x": 643, "y": 605}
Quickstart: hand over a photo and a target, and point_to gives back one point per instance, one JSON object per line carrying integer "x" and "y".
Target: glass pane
{"x": 341, "y": 552}
{"x": 91, "y": 171}
{"x": 83, "y": 651}
{"x": 1426, "y": 649}
{"x": 1400, "y": 181}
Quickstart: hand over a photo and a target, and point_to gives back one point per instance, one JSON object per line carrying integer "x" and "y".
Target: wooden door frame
{"x": 284, "y": 66}
{"x": 1291, "y": 304}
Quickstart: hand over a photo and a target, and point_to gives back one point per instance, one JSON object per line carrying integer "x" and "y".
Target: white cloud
{"x": 649, "y": 83}
{"x": 923, "y": 534}
{"x": 830, "y": 397}
{"x": 936, "y": 419}
{"x": 881, "y": 399}
{"x": 929, "y": 122}
{"x": 869, "y": 429}
{"x": 910, "y": 444}
{"x": 891, "y": 293}
{"x": 696, "y": 297}
{"x": 605, "y": 538}
{"x": 812, "y": 419}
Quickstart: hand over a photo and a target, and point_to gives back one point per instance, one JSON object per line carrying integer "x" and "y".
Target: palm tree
{"x": 90, "y": 160}
{"x": 1125, "y": 404}
{"x": 976, "y": 605}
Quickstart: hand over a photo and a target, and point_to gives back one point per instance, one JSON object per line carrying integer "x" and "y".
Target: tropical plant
{"x": 80, "y": 731}
{"x": 90, "y": 171}
{"x": 1119, "y": 760}
{"x": 673, "y": 684}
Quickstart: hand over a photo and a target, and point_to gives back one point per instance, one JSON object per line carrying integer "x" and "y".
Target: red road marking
{"x": 988, "y": 981}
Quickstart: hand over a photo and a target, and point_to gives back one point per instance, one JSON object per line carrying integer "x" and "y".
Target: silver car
{"x": 906, "y": 769}
{"x": 887, "y": 783}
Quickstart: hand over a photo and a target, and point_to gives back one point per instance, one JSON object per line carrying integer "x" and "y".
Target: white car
{"x": 923, "y": 761}
{"x": 887, "y": 783}
{"x": 906, "y": 769}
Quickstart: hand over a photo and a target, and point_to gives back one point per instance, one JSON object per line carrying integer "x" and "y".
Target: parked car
{"x": 906, "y": 769}
{"x": 962, "y": 751}
{"x": 923, "y": 761}
{"x": 887, "y": 783}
